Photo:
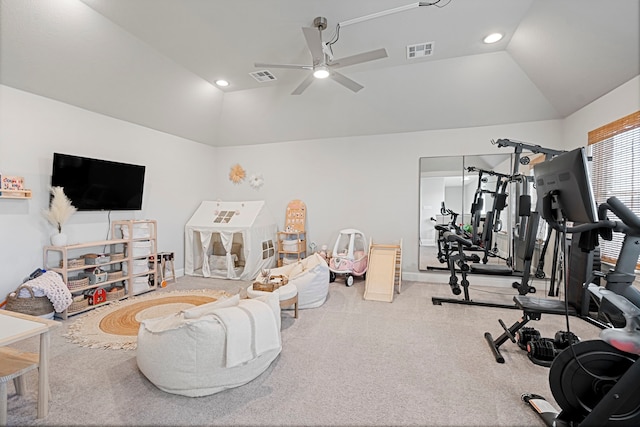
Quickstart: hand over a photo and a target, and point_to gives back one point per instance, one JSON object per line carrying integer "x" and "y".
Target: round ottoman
{"x": 288, "y": 295}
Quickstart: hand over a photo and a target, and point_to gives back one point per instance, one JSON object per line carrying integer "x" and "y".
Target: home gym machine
{"x": 446, "y": 246}
{"x": 595, "y": 382}
{"x": 524, "y": 232}
{"x": 492, "y": 222}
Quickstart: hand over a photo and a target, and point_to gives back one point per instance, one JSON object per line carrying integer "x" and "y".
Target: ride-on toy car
{"x": 350, "y": 256}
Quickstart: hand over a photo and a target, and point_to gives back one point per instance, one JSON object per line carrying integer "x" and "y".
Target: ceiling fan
{"x": 323, "y": 63}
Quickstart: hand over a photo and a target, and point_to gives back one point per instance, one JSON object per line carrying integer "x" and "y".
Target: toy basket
{"x": 77, "y": 283}
{"x": 95, "y": 259}
{"x": 78, "y": 305}
{"x": 35, "y": 306}
{"x": 74, "y": 262}
{"x": 117, "y": 256}
{"x": 113, "y": 275}
{"x": 115, "y": 293}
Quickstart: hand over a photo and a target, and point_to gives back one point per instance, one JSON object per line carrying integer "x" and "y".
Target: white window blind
{"x": 616, "y": 171}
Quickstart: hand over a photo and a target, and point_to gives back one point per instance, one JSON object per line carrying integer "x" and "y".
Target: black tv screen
{"x": 567, "y": 175}
{"x": 98, "y": 185}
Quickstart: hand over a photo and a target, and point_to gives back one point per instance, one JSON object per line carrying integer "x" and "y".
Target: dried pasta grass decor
{"x": 115, "y": 326}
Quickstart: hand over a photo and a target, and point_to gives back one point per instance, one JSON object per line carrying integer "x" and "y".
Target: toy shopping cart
{"x": 350, "y": 256}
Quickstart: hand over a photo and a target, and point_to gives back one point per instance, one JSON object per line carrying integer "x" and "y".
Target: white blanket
{"x": 49, "y": 284}
{"x": 251, "y": 330}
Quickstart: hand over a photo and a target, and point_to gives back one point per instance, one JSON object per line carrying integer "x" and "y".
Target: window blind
{"x": 616, "y": 171}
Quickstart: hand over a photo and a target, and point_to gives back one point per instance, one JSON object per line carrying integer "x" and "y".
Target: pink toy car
{"x": 349, "y": 256}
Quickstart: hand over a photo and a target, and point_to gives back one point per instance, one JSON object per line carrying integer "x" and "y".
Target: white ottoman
{"x": 288, "y": 295}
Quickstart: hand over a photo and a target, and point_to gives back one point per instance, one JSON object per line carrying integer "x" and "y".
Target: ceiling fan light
{"x": 493, "y": 38}
{"x": 321, "y": 72}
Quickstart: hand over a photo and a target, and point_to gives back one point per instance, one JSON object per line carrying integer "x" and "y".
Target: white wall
{"x": 618, "y": 103}
{"x": 179, "y": 174}
{"x": 369, "y": 183}
{"x": 432, "y": 193}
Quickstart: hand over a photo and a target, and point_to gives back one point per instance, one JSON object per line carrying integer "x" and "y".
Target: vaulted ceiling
{"x": 154, "y": 62}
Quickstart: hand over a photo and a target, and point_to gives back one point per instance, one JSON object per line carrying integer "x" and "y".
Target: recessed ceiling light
{"x": 222, "y": 83}
{"x": 321, "y": 72}
{"x": 492, "y": 38}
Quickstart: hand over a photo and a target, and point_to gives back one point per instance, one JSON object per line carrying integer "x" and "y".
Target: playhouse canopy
{"x": 233, "y": 240}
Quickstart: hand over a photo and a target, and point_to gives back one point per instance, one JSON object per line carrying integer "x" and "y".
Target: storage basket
{"x": 138, "y": 266}
{"x": 115, "y": 293}
{"x": 140, "y": 249}
{"x": 96, "y": 276}
{"x": 140, "y": 231}
{"x": 74, "y": 262}
{"x": 33, "y": 305}
{"x": 77, "y": 283}
{"x": 117, "y": 256}
{"x": 78, "y": 305}
{"x": 113, "y": 275}
{"x": 290, "y": 245}
{"x": 94, "y": 259}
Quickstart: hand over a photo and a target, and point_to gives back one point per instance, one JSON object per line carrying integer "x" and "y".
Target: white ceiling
{"x": 153, "y": 62}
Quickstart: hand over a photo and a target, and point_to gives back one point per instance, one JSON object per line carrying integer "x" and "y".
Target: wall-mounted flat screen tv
{"x": 98, "y": 185}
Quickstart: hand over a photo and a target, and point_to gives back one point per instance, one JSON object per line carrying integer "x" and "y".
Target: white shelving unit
{"x": 60, "y": 259}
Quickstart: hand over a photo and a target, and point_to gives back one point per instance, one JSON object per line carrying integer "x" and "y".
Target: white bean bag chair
{"x": 211, "y": 347}
{"x": 311, "y": 278}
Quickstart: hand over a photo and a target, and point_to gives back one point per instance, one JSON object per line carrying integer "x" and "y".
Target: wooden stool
{"x": 13, "y": 365}
{"x": 291, "y": 301}
{"x": 288, "y": 295}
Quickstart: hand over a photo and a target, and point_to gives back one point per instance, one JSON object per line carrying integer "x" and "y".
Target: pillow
{"x": 204, "y": 309}
{"x": 297, "y": 269}
{"x": 219, "y": 262}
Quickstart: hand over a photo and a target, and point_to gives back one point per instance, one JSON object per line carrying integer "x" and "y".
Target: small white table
{"x": 16, "y": 327}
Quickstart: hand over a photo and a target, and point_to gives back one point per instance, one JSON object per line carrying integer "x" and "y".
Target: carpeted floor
{"x": 350, "y": 362}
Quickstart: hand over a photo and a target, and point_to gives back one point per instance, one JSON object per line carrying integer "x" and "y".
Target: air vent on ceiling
{"x": 419, "y": 50}
{"x": 263, "y": 76}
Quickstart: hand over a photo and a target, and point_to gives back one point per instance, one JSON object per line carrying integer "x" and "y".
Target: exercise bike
{"x": 595, "y": 382}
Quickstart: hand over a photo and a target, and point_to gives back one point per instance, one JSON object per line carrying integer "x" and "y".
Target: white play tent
{"x": 232, "y": 240}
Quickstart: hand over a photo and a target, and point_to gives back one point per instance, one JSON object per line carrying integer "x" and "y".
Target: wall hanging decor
{"x": 237, "y": 174}
{"x": 256, "y": 181}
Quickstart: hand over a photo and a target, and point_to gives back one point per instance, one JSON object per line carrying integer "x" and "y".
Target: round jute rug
{"x": 115, "y": 326}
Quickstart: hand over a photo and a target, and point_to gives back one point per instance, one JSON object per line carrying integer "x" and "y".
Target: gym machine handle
{"x": 625, "y": 214}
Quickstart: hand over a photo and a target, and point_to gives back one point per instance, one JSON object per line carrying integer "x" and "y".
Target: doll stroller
{"x": 350, "y": 256}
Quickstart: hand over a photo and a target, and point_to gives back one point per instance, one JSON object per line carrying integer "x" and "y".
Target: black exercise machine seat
{"x": 542, "y": 305}
{"x": 442, "y": 227}
{"x": 452, "y": 237}
{"x": 532, "y": 308}
{"x": 494, "y": 269}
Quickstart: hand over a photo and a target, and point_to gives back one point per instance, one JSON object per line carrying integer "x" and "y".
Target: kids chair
{"x": 13, "y": 365}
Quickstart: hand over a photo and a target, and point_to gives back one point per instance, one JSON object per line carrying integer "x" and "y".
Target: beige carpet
{"x": 115, "y": 326}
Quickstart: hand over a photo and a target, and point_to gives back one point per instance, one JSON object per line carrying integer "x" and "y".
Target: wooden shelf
{"x": 292, "y": 246}
{"x": 54, "y": 254}
{"x": 15, "y": 194}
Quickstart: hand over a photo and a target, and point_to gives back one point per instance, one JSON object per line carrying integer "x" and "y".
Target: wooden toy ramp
{"x": 384, "y": 272}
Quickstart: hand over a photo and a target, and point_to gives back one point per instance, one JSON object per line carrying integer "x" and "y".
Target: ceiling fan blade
{"x": 302, "y": 86}
{"x": 345, "y": 81}
{"x": 314, "y": 42}
{"x": 293, "y": 66}
{"x": 359, "y": 58}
